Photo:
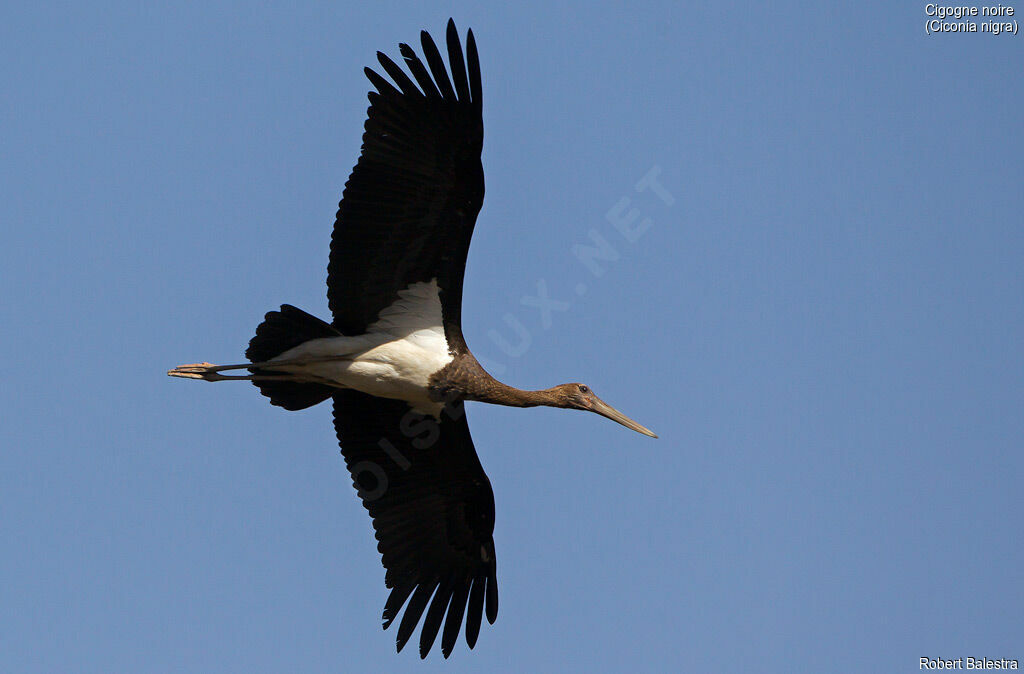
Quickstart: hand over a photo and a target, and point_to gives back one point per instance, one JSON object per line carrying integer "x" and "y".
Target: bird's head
{"x": 580, "y": 397}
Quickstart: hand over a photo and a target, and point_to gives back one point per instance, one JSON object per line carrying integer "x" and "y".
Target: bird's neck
{"x": 465, "y": 378}
{"x": 503, "y": 394}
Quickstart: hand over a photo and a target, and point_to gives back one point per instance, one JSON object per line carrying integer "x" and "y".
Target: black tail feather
{"x": 280, "y": 331}
{"x": 294, "y": 395}
{"x": 283, "y": 330}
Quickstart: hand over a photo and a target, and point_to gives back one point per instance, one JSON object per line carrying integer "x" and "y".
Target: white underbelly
{"x": 394, "y": 359}
{"x": 398, "y": 368}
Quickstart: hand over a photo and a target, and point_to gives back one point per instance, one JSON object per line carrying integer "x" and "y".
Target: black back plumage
{"x": 409, "y": 207}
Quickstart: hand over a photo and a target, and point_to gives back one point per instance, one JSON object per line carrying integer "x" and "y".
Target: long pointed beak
{"x": 606, "y": 410}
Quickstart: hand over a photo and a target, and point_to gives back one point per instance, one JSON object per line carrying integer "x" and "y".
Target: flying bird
{"x": 393, "y": 360}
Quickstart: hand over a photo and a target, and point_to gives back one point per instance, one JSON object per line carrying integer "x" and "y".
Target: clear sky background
{"x": 824, "y": 325}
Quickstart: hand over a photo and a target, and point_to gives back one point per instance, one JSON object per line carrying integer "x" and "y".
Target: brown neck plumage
{"x": 465, "y": 378}
{"x": 503, "y": 394}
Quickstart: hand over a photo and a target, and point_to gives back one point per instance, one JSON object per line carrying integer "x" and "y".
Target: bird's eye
{"x": 584, "y": 389}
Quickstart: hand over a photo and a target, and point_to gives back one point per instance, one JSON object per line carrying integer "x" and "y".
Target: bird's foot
{"x": 211, "y": 372}
{"x": 205, "y": 371}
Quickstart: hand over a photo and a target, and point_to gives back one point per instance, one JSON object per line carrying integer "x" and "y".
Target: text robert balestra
{"x": 968, "y": 663}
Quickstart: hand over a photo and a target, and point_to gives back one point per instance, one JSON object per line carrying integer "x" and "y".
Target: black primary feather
{"x": 433, "y": 513}
{"x": 407, "y": 216}
{"x": 408, "y": 210}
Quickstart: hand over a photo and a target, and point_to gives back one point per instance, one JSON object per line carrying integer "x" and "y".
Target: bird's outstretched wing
{"x": 433, "y": 513}
{"x": 409, "y": 207}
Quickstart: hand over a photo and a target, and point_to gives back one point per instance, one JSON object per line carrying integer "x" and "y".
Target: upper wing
{"x": 409, "y": 207}
{"x": 432, "y": 509}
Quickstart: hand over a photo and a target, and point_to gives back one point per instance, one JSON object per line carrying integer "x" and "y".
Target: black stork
{"x": 394, "y": 360}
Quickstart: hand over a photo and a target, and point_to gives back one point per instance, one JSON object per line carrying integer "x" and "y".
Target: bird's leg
{"x": 211, "y": 372}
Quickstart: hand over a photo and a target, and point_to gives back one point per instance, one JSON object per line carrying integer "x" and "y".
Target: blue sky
{"x": 822, "y": 318}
